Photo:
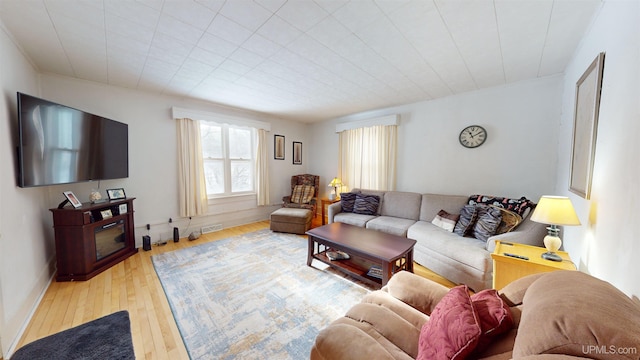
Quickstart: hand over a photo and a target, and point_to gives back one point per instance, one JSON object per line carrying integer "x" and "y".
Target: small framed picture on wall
{"x": 297, "y": 153}
{"x": 278, "y": 147}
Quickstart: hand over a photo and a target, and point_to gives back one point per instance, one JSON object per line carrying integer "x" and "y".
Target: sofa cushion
{"x": 366, "y": 204}
{"x": 445, "y": 220}
{"x": 494, "y": 314}
{"x": 432, "y": 203}
{"x": 347, "y": 200}
{"x": 468, "y": 216}
{"x": 449, "y": 245}
{"x": 572, "y": 313}
{"x": 390, "y": 225}
{"x": 453, "y": 329}
{"x": 353, "y": 218}
{"x": 400, "y": 204}
{"x": 488, "y": 220}
{"x": 302, "y": 194}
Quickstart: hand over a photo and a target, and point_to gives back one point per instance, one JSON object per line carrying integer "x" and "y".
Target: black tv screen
{"x": 62, "y": 145}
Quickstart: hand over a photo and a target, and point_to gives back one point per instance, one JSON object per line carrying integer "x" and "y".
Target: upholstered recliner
{"x": 304, "y": 193}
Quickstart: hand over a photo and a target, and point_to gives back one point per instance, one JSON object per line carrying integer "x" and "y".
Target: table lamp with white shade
{"x": 555, "y": 211}
{"x": 335, "y": 184}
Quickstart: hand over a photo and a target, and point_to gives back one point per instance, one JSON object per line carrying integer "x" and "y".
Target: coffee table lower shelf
{"x": 355, "y": 267}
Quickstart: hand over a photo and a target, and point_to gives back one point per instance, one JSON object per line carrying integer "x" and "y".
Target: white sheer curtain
{"x": 262, "y": 169}
{"x": 192, "y": 189}
{"x": 367, "y": 157}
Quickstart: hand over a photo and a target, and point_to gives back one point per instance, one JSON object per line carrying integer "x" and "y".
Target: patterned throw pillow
{"x": 489, "y": 219}
{"x": 366, "y": 204}
{"x": 453, "y": 329}
{"x": 468, "y": 216}
{"x": 347, "y": 201}
{"x": 510, "y": 221}
{"x": 302, "y": 194}
{"x": 522, "y": 206}
{"x": 445, "y": 220}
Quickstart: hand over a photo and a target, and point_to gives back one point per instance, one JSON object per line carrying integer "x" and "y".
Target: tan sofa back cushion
{"x": 400, "y": 204}
{"x": 432, "y": 203}
{"x": 572, "y": 313}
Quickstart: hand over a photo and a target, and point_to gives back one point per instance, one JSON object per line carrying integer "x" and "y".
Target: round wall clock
{"x": 472, "y": 136}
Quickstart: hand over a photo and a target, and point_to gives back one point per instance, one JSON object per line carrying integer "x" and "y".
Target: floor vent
{"x": 211, "y": 228}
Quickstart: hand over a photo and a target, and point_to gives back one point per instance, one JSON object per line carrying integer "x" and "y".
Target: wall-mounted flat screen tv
{"x": 62, "y": 145}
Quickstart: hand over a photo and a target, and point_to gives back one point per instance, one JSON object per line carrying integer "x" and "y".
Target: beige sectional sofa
{"x": 463, "y": 260}
{"x": 558, "y": 315}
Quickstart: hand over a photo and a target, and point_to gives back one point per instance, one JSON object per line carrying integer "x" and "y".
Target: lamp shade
{"x": 335, "y": 182}
{"x": 555, "y": 210}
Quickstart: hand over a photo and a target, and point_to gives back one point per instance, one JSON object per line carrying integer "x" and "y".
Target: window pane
{"x": 239, "y": 143}
{"x": 241, "y": 176}
{"x": 211, "y": 136}
{"x": 214, "y": 176}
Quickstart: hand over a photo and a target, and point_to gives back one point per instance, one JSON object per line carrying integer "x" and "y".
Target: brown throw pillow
{"x": 445, "y": 220}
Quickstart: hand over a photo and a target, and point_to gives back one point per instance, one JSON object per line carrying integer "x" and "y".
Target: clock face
{"x": 473, "y": 136}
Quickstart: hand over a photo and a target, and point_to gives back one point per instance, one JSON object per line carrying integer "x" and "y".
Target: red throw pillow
{"x": 453, "y": 329}
{"x": 494, "y": 314}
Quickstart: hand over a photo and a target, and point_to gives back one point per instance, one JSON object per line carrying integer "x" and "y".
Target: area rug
{"x": 252, "y": 296}
{"x": 108, "y": 337}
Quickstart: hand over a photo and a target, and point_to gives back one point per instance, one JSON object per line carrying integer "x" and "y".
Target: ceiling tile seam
{"x": 64, "y": 50}
{"x": 453, "y": 39}
{"x": 546, "y": 37}
{"x": 495, "y": 17}
{"x": 429, "y": 94}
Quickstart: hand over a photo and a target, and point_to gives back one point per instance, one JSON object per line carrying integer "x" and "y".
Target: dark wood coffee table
{"x": 365, "y": 247}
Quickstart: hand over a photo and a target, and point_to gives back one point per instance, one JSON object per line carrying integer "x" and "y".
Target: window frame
{"x": 227, "y": 160}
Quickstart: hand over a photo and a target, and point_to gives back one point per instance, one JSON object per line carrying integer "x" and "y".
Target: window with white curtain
{"x": 367, "y": 154}
{"x": 228, "y": 153}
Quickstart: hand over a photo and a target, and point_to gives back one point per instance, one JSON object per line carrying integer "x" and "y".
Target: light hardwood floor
{"x": 134, "y": 286}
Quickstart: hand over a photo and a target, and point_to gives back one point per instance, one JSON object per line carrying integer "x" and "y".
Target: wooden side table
{"x": 507, "y": 268}
{"x": 325, "y": 202}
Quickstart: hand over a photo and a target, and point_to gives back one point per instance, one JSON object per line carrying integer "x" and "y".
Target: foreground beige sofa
{"x": 558, "y": 315}
{"x": 462, "y": 260}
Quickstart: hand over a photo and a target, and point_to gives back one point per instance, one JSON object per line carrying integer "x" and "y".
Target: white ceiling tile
{"x": 213, "y": 5}
{"x": 246, "y": 57}
{"x": 331, "y": 6}
{"x": 206, "y": 57}
{"x": 358, "y": 14}
{"x": 271, "y": 5}
{"x": 302, "y": 14}
{"x": 180, "y": 30}
{"x": 279, "y": 31}
{"x": 135, "y": 11}
{"x": 128, "y": 28}
{"x": 260, "y": 45}
{"x": 246, "y": 13}
{"x": 189, "y": 12}
{"x": 216, "y": 45}
{"x": 328, "y": 31}
{"x": 234, "y": 67}
{"x": 229, "y": 30}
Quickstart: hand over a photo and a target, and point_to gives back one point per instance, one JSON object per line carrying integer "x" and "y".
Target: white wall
{"x": 518, "y": 158}
{"x": 25, "y": 225}
{"x": 153, "y": 154}
{"x": 607, "y": 244}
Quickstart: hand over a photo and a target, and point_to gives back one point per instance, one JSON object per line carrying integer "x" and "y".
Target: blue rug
{"x": 252, "y": 296}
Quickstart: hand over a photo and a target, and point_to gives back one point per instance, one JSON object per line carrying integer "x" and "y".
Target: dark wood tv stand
{"x": 88, "y": 241}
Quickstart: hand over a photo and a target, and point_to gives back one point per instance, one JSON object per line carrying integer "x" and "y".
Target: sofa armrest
{"x": 420, "y": 293}
{"x": 528, "y": 233}
{"x": 333, "y": 210}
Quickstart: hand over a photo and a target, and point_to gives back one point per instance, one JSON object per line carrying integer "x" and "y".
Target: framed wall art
{"x": 297, "y": 153}
{"x": 278, "y": 147}
{"x": 585, "y": 127}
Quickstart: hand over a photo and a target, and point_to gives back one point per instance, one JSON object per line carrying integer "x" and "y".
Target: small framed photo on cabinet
{"x": 115, "y": 194}
{"x": 72, "y": 199}
{"x": 106, "y": 214}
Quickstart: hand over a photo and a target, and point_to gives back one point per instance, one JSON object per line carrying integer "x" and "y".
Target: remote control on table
{"x": 516, "y": 256}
